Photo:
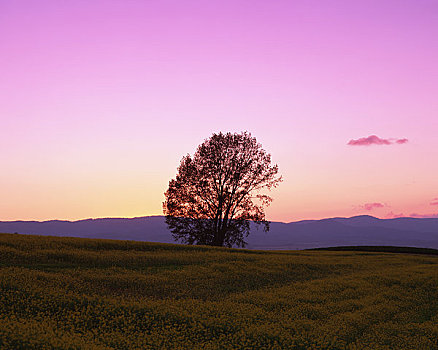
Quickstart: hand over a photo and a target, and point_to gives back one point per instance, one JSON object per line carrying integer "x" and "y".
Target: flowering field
{"x": 71, "y": 293}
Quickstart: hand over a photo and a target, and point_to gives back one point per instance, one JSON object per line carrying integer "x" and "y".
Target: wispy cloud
{"x": 371, "y": 206}
{"x": 421, "y": 216}
{"x": 375, "y": 140}
{"x": 392, "y": 215}
{"x": 434, "y": 201}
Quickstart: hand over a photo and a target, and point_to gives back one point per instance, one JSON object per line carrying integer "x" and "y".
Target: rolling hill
{"x": 75, "y": 293}
{"x": 358, "y": 230}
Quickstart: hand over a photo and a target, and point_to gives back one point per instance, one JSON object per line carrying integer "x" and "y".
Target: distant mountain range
{"x": 358, "y": 230}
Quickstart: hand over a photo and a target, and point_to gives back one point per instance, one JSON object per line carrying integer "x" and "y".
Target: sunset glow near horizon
{"x": 100, "y": 100}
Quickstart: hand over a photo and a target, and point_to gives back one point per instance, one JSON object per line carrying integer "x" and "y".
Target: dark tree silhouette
{"x": 218, "y": 191}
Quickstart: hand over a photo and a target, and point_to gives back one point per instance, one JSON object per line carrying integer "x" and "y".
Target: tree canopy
{"x": 219, "y": 191}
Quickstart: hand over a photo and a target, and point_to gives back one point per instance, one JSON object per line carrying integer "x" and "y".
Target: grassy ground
{"x": 71, "y": 293}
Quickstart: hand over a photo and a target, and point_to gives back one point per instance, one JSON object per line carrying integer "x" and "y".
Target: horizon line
{"x": 153, "y": 216}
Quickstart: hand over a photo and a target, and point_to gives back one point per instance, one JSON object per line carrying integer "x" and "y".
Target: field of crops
{"x": 71, "y": 293}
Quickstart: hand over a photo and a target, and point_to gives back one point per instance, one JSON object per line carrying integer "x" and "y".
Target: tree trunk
{"x": 219, "y": 238}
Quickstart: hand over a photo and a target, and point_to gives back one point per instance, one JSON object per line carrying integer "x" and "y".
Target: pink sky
{"x": 99, "y": 101}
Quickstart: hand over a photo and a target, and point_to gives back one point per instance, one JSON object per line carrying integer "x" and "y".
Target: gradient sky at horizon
{"x": 99, "y": 101}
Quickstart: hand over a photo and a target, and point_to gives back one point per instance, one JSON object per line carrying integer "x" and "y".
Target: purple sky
{"x": 99, "y": 101}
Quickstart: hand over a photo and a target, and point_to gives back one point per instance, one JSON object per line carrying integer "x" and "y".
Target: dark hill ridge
{"x": 358, "y": 230}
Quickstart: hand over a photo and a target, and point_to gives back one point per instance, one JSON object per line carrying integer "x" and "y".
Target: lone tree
{"x": 218, "y": 191}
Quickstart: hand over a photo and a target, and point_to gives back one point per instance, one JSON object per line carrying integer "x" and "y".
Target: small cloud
{"x": 434, "y": 201}
{"x": 423, "y": 216}
{"x": 391, "y": 215}
{"x": 371, "y": 206}
{"x": 375, "y": 140}
{"x": 370, "y": 140}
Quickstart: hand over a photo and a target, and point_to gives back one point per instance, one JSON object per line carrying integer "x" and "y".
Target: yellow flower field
{"x": 71, "y": 293}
